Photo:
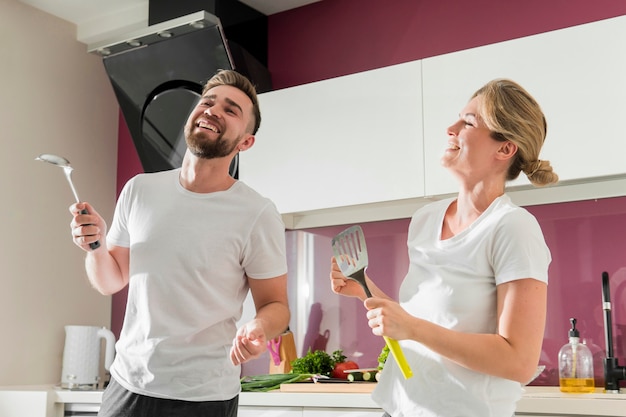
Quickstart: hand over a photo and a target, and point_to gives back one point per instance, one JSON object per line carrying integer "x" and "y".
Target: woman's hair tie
{"x": 537, "y": 165}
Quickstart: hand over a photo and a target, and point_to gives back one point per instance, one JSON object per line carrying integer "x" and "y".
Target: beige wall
{"x": 54, "y": 98}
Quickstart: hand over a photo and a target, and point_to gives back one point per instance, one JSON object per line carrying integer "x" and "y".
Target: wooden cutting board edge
{"x": 357, "y": 387}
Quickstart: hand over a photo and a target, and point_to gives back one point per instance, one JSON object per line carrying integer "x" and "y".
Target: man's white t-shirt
{"x": 189, "y": 257}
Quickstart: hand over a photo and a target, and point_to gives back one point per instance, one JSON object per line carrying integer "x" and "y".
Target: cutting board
{"x": 346, "y": 387}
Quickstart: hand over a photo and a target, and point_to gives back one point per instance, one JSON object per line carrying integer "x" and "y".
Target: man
{"x": 189, "y": 243}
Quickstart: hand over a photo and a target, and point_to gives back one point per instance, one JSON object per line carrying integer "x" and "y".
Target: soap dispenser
{"x": 575, "y": 364}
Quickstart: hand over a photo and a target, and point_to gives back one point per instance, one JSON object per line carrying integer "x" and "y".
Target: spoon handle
{"x": 93, "y": 245}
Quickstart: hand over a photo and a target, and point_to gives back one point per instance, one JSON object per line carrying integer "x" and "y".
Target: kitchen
{"x": 50, "y": 291}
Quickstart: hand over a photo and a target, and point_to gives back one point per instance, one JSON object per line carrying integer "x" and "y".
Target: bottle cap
{"x": 573, "y": 331}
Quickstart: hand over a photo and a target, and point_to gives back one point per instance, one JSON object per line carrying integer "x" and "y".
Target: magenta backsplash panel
{"x": 585, "y": 239}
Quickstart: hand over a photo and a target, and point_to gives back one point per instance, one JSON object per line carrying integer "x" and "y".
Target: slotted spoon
{"x": 350, "y": 253}
{"x": 67, "y": 169}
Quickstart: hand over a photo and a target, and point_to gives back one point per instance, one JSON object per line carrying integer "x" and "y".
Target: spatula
{"x": 351, "y": 255}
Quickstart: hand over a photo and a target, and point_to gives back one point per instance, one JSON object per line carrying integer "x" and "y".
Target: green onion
{"x": 268, "y": 382}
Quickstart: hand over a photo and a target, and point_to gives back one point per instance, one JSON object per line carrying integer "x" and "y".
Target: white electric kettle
{"x": 81, "y": 356}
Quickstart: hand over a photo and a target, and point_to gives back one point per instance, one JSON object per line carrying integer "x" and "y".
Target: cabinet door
{"x": 554, "y": 415}
{"x": 538, "y": 415}
{"x": 576, "y": 75}
{"x": 256, "y": 411}
{"x": 349, "y": 140}
{"x": 342, "y": 412}
{"x": 21, "y": 403}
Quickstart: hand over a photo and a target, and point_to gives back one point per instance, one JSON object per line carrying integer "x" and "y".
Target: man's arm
{"x": 271, "y": 319}
{"x": 108, "y": 269}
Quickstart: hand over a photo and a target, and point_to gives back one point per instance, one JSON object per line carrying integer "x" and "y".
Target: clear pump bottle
{"x": 575, "y": 364}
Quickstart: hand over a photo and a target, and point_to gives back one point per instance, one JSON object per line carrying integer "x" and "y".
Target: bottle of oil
{"x": 575, "y": 364}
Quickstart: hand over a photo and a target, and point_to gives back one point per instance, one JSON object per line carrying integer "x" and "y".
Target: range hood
{"x": 158, "y": 33}
{"x": 158, "y": 73}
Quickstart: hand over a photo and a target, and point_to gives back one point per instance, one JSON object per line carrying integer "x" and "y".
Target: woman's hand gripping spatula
{"x": 351, "y": 255}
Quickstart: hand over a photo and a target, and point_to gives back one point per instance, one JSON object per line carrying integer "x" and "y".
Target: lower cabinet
{"x": 81, "y": 409}
{"x": 250, "y": 411}
{"x": 541, "y": 415}
{"x": 341, "y": 412}
{"x": 565, "y": 414}
{"x": 21, "y": 402}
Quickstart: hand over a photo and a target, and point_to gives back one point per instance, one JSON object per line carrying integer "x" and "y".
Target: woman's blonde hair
{"x": 512, "y": 114}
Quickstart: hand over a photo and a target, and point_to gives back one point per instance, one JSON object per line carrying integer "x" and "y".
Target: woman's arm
{"x": 512, "y": 353}
{"x": 342, "y": 285}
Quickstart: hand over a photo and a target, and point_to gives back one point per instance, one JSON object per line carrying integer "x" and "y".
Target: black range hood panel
{"x": 157, "y": 75}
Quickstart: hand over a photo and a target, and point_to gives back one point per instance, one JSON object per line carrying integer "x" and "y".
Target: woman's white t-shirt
{"x": 453, "y": 283}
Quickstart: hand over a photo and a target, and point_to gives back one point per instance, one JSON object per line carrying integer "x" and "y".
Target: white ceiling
{"x": 98, "y": 19}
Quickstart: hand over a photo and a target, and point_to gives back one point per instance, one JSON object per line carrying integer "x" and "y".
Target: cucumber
{"x": 367, "y": 376}
{"x": 355, "y": 376}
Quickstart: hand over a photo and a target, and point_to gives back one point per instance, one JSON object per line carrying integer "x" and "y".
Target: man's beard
{"x": 209, "y": 149}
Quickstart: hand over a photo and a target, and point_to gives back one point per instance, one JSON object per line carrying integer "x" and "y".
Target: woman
{"x": 472, "y": 307}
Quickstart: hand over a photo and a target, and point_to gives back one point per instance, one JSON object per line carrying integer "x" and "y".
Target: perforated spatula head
{"x": 351, "y": 256}
{"x": 350, "y": 253}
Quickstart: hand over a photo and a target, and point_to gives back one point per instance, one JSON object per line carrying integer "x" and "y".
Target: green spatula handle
{"x": 394, "y": 346}
{"x": 398, "y": 355}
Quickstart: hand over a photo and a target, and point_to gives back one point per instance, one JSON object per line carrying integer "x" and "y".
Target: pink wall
{"x": 338, "y": 37}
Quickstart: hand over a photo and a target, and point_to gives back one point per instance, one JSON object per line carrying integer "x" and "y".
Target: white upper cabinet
{"x": 368, "y": 146}
{"x": 578, "y": 76}
{"x": 340, "y": 142}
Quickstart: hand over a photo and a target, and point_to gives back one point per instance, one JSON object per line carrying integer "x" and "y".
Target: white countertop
{"x": 545, "y": 400}
{"x": 552, "y": 400}
{"x": 534, "y": 400}
{"x": 272, "y": 398}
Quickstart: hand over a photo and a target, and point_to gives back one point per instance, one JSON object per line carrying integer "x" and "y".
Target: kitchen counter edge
{"x": 534, "y": 400}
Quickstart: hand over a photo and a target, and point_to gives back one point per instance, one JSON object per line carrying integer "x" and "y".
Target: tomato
{"x": 338, "y": 370}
